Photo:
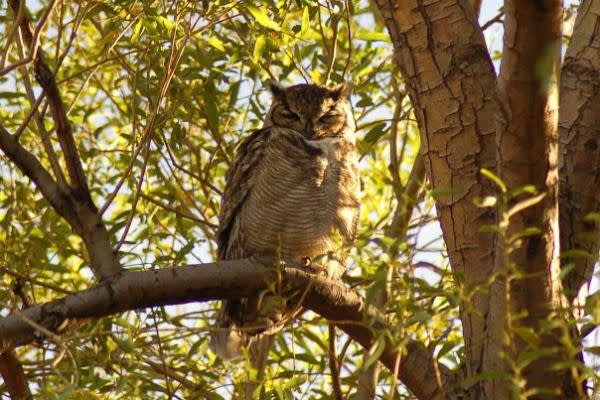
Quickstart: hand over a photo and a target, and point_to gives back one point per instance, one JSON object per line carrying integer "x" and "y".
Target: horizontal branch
{"x": 232, "y": 279}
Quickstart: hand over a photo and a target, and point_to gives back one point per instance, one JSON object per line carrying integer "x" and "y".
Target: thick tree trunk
{"x": 579, "y": 160}
{"x": 528, "y": 155}
{"x": 476, "y": 4}
{"x": 579, "y": 130}
{"x": 442, "y": 55}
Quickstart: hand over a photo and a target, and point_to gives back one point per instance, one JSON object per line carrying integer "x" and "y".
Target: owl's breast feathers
{"x": 289, "y": 196}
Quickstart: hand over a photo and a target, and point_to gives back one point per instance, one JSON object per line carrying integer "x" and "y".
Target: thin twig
{"x": 45, "y": 79}
{"x": 35, "y": 38}
{"x": 11, "y": 34}
{"x": 496, "y": 19}
{"x": 39, "y": 121}
{"x": 349, "y": 40}
{"x": 173, "y": 210}
{"x": 335, "y": 20}
{"x": 334, "y": 366}
{"x": 33, "y": 281}
{"x": 146, "y": 136}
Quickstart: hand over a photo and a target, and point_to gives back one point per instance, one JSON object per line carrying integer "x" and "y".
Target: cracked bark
{"x": 443, "y": 58}
{"x": 579, "y": 149}
{"x": 579, "y": 158}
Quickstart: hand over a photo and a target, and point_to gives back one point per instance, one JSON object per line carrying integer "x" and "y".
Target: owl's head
{"x": 317, "y": 112}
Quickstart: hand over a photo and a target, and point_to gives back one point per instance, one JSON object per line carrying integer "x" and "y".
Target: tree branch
{"x": 528, "y": 155}
{"x": 34, "y": 170}
{"x": 45, "y": 78}
{"x": 231, "y": 279}
{"x": 13, "y": 375}
{"x": 85, "y": 221}
{"x": 409, "y": 199}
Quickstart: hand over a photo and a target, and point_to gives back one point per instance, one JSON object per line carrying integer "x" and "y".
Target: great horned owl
{"x": 292, "y": 193}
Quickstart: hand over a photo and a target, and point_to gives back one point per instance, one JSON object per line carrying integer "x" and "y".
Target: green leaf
{"x": 522, "y": 205}
{"x": 137, "y": 31}
{"x": 420, "y": 316}
{"x": 125, "y": 344}
{"x": 371, "y": 36}
{"x": 185, "y": 250}
{"x": 528, "y": 357}
{"x": 374, "y": 134}
{"x": 212, "y": 109}
{"x": 201, "y": 343}
{"x": 374, "y": 356}
{"x": 527, "y": 189}
{"x": 259, "y": 47}
{"x": 216, "y": 43}
{"x": 484, "y": 376}
{"x": 377, "y": 286}
{"x": 594, "y": 217}
{"x": 11, "y": 95}
{"x": 494, "y": 178}
{"x": 305, "y": 26}
{"x": 446, "y": 347}
{"x": 576, "y": 253}
{"x": 528, "y": 335}
{"x": 595, "y": 350}
{"x": 165, "y": 23}
{"x": 294, "y": 382}
{"x": 263, "y": 19}
{"x": 487, "y": 201}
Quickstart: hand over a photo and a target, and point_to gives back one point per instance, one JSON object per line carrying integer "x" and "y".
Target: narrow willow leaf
{"x": 305, "y": 22}
{"x": 373, "y": 357}
{"x": 259, "y": 47}
{"x": 263, "y": 19}
{"x": 494, "y": 178}
{"x": 522, "y": 205}
{"x": 216, "y": 43}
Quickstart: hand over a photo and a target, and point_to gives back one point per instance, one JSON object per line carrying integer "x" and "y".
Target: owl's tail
{"x": 228, "y": 339}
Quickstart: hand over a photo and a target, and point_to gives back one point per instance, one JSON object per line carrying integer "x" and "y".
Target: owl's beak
{"x": 308, "y": 130}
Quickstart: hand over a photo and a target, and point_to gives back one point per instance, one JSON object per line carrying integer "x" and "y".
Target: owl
{"x": 292, "y": 194}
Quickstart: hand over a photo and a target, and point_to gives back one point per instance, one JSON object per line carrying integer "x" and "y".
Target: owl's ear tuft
{"x": 276, "y": 89}
{"x": 341, "y": 91}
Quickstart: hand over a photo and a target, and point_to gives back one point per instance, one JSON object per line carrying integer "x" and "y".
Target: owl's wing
{"x": 242, "y": 178}
{"x": 238, "y": 184}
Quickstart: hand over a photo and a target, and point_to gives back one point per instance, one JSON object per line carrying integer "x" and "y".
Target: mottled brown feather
{"x": 287, "y": 196}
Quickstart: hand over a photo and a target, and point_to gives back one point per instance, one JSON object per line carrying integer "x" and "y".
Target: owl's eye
{"x": 329, "y": 117}
{"x": 290, "y": 115}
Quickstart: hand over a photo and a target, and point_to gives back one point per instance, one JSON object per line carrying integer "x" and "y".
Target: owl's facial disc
{"x": 317, "y": 112}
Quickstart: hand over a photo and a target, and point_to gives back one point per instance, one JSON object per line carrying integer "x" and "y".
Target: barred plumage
{"x": 292, "y": 190}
